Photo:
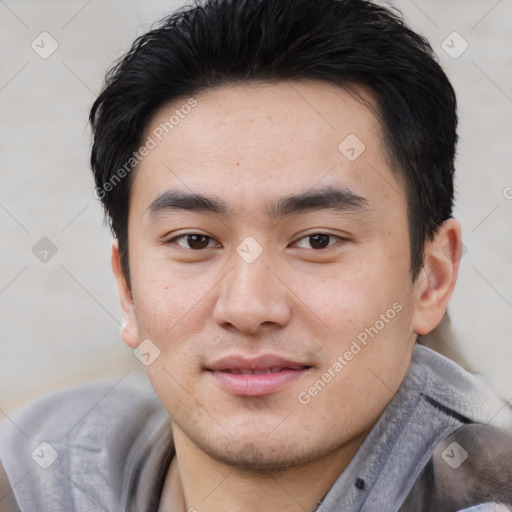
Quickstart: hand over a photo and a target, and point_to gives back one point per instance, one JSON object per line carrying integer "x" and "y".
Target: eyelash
{"x": 184, "y": 235}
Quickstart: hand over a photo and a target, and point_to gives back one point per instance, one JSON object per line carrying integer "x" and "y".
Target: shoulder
{"x": 471, "y": 467}
{"x": 62, "y": 408}
{"x": 470, "y": 463}
{"x": 7, "y": 499}
{"x": 85, "y": 437}
{"x": 476, "y": 459}
{"x": 467, "y": 395}
{"x": 97, "y": 409}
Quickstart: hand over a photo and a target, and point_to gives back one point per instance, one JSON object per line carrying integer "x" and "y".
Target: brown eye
{"x": 197, "y": 241}
{"x": 319, "y": 241}
{"x": 194, "y": 241}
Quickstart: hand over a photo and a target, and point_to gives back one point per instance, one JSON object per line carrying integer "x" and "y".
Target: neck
{"x": 209, "y": 485}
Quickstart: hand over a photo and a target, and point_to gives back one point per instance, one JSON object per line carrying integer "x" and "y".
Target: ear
{"x": 129, "y": 331}
{"x": 436, "y": 281}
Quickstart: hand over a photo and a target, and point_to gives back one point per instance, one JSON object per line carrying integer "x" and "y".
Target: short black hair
{"x": 344, "y": 42}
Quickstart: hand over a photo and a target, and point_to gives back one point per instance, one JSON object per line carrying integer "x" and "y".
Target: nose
{"x": 252, "y": 298}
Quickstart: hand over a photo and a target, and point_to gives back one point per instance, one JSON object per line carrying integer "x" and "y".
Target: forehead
{"x": 252, "y": 142}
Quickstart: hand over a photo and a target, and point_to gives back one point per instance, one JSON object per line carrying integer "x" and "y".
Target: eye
{"x": 194, "y": 241}
{"x": 318, "y": 241}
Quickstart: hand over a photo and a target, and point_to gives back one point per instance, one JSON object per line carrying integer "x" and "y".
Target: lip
{"x": 235, "y": 374}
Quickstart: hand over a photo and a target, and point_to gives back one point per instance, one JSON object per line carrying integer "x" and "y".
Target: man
{"x": 278, "y": 176}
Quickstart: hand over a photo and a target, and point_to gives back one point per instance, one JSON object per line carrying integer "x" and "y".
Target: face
{"x": 269, "y": 263}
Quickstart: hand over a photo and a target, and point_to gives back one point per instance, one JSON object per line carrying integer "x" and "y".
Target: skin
{"x": 247, "y": 146}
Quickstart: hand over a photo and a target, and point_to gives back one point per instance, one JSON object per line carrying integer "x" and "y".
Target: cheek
{"x": 353, "y": 297}
{"x": 161, "y": 293}
{"x": 166, "y": 314}
{"x": 368, "y": 314}
{"x": 156, "y": 307}
{"x": 172, "y": 306}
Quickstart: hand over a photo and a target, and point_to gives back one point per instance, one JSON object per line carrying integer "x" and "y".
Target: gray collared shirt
{"x": 106, "y": 446}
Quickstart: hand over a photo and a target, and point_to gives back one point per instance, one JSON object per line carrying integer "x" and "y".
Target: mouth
{"x": 259, "y": 376}
{"x": 243, "y": 371}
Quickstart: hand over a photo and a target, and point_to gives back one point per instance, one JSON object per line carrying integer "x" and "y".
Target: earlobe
{"x": 129, "y": 331}
{"x": 435, "y": 284}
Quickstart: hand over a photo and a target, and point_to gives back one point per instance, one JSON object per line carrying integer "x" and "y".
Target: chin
{"x": 252, "y": 456}
{"x": 256, "y": 451}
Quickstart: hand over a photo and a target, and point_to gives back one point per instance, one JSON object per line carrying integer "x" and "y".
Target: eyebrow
{"x": 330, "y": 198}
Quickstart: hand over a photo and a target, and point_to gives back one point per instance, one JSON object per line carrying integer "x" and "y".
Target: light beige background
{"x": 60, "y": 319}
